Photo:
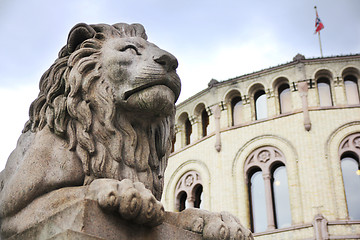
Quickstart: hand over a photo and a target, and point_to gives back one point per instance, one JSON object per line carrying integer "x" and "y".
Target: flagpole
{"x": 320, "y": 44}
{"x": 319, "y": 35}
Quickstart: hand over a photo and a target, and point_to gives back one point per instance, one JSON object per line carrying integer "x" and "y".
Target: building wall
{"x": 316, "y": 191}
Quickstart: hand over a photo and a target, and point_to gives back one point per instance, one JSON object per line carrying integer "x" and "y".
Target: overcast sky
{"x": 211, "y": 39}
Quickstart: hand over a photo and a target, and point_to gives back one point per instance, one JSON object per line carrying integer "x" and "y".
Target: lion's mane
{"x": 78, "y": 105}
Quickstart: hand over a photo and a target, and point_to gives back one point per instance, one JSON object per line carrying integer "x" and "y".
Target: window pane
{"x": 258, "y": 204}
{"x": 188, "y": 131}
{"x": 204, "y": 122}
{"x": 352, "y": 92}
{"x": 285, "y": 98}
{"x": 236, "y": 105}
{"x": 260, "y": 105}
{"x": 351, "y": 177}
{"x": 198, "y": 196}
{"x": 281, "y": 198}
{"x": 324, "y": 93}
{"x": 182, "y": 201}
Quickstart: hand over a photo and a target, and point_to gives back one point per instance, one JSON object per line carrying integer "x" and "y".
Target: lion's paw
{"x": 132, "y": 200}
{"x": 213, "y": 225}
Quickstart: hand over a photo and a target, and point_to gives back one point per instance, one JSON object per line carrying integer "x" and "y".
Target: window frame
{"x": 280, "y": 89}
{"x": 355, "y": 80}
{"x": 349, "y": 147}
{"x": 235, "y": 101}
{"x": 267, "y": 159}
{"x": 188, "y": 183}
{"x": 320, "y": 93}
{"x": 258, "y": 94}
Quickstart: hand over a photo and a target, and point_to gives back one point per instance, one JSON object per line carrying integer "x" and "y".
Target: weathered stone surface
{"x": 85, "y": 220}
{"x": 92, "y": 157}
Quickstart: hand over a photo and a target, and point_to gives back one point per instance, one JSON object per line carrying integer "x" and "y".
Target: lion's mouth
{"x": 174, "y": 88}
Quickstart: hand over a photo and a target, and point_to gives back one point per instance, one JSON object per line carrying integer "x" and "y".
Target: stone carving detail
{"x": 357, "y": 142}
{"x": 189, "y": 180}
{"x": 298, "y": 57}
{"x": 350, "y": 144}
{"x": 187, "y": 183}
{"x": 264, "y": 156}
{"x": 100, "y": 129}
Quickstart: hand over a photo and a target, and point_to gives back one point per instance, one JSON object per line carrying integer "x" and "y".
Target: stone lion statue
{"x": 101, "y": 128}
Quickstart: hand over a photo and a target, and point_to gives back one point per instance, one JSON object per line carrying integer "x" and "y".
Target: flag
{"x": 318, "y": 24}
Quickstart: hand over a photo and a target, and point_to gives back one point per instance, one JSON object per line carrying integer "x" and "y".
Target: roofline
{"x": 295, "y": 61}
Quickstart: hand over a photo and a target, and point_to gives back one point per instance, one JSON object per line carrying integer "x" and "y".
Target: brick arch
{"x": 188, "y": 183}
{"x": 333, "y": 148}
{"x": 240, "y": 187}
{"x": 283, "y": 105}
{"x": 350, "y": 70}
{"x": 264, "y": 158}
{"x": 350, "y": 77}
{"x": 350, "y": 144}
{"x": 202, "y": 116}
{"x": 173, "y": 176}
{"x": 234, "y": 104}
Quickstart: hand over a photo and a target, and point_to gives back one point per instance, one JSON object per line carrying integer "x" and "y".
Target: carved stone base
{"x": 85, "y": 220}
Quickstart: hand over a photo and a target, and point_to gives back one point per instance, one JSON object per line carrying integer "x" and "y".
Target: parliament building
{"x": 279, "y": 148}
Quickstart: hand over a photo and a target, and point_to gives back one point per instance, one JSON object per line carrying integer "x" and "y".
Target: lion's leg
{"x": 237, "y": 231}
{"x": 131, "y": 200}
{"x": 210, "y": 225}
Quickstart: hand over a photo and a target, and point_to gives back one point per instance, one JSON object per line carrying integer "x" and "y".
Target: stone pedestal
{"x": 85, "y": 220}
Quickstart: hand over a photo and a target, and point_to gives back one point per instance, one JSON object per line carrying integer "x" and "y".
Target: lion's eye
{"x": 131, "y": 48}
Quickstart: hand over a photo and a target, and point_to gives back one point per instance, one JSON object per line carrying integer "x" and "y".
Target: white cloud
{"x": 234, "y": 59}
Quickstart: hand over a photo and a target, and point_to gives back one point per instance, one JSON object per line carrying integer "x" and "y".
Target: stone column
{"x": 191, "y": 201}
{"x": 339, "y": 91}
{"x": 217, "y": 113}
{"x": 269, "y": 202}
{"x": 195, "y": 129}
{"x": 320, "y": 227}
{"x": 178, "y": 137}
{"x": 247, "y": 109}
{"x": 270, "y": 102}
{"x": 303, "y": 91}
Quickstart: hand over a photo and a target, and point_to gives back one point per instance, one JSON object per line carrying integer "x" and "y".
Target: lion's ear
{"x": 79, "y": 33}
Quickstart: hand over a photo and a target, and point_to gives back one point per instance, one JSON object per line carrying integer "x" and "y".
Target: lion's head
{"x": 111, "y": 94}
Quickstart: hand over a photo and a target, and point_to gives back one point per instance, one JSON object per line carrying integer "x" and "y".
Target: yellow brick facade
{"x": 312, "y": 157}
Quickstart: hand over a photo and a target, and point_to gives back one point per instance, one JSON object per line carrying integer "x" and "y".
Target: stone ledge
{"x": 85, "y": 220}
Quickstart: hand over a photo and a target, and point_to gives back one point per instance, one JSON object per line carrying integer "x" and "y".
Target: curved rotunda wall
{"x": 310, "y": 152}
{"x": 271, "y": 103}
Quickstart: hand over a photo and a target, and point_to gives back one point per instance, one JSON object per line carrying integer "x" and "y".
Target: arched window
{"x": 188, "y": 131}
{"x": 284, "y": 98}
{"x": 189, "y": 191}
{"x": 324, "y": 91}
{"x": 268, "y": 189}
{"x": 184, "y": 126}
{"x": 204, "y": 122}
{"x": 198, "y": 195}
{"x": 351, "y": 89}
{"x": 258, "y": 202}
{"x": 236, "y": 109}
{"x": 182, "y": 201}
{"x": 281, "y": 197}
{"x": 350, "y": 166}
{"x": 351, "y": 176}
{"x": 260, "y": 104}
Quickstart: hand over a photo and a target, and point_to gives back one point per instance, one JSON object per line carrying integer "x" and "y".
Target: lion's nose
{"x": 167, "y": 60}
